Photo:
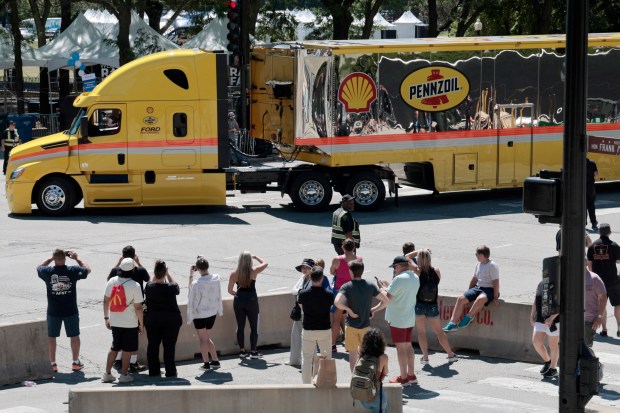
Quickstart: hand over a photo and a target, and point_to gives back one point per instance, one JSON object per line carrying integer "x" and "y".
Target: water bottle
{"x": 29, "y": 383}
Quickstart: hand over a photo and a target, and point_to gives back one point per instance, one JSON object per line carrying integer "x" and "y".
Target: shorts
{"x": 589, "y": 334}
{"x": 72, "y": 325}
{"x": 353, "y": 337}
{"x": 124, "y": 339}
{"x": 428, "y": 310}
{"x": 401, "y": 335}
{"x": 542, "y": 328}
{"x": 613, "y": 292}
{"x": 473, "y": 293}
{"x": 200, "y": 323}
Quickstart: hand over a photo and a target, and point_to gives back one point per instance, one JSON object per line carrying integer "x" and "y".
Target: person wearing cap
{"x": 141, "y": 276}
{"x": 355, "y": 298}
{"x": 304, "y": 282}
{"x": 60, "y": 280}
{"x": 483, "y": 290}
{"x": 400, "y": 315}
{"x": 603, "y": 255}
{"x": 316, "y": 303}
{"x": 125, "y": 324}
{"x": 10, "y": 139}
{"x": 344, "y": 225}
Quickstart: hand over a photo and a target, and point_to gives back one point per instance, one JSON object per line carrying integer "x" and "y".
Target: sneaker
{"x": 205, "y": 367}
{"x": 288, "y": 363}
{"x": 551, "y": 373}
{"x": 108, "y": 378}
{"x": 255, "y": 355}
{"x": 77, "y": 365}
{"x": 603, "y": 333}
{"x": 450, "y": 327}
{"x": 125, "y": 378}
{"x": 334, "y": 349}
{"x": 243, "y": 354}
{"x": 55, "y": 367}
{"x": 215, "y": 364}
{"x": 465, "y": 321}
{"x": 412, "y": 380}
{"x": 136, "y": 368}
{"x": 423, "y": 361}
{"x": 400, "y": 380}
{"x": 545, "y": 367}
{"x": 453, "y": 358}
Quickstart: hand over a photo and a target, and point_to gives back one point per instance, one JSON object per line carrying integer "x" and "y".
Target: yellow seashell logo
{"x": 357, "y": 91}
{"x": 434, "y": 88}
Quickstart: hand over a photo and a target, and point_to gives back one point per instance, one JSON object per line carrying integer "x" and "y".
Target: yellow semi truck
{"x": 442, "y": 114}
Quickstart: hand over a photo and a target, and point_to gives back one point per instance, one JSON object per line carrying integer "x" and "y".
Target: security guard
{"x": 344, "y": 225}
{"x": 10, "y": 139}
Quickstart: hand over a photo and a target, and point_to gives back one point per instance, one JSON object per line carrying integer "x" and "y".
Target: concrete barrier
{"x": 24, "y": 353}
{"x": 284, "y": 398}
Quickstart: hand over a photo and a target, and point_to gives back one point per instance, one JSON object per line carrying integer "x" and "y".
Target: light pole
{"x": 478, "y": 26}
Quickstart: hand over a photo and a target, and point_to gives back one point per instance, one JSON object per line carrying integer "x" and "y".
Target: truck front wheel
{"x": 367, "y": 189}
{"x": 311, "y": 192}
{"x": 54, "y": 196}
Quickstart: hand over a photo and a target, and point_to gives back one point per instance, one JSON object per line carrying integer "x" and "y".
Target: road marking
{"x": 502, "y": 246}
{"x": 607, "y": 211}
{"x": 482, "y": 402}
{"x": 94, "y": 325}
{"x": 608, "y": 358}
{"x": 311, "y": 243}
{"x": 230, "y": 258}
{"x": 278, "y": 289}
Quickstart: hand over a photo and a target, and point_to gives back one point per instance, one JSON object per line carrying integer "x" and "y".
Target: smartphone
{"x": 193, "y": 268}
{"x": 67, "y": 253}
{"x": 378, "y": 282}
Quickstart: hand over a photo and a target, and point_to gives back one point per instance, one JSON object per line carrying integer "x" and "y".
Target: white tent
{"x": 305, "y": 22}
{"x": 378, "y": 23}
{"x": 406, "y": 24}
{"x": 7, "y": 56}
{"x": 103, "y": 20}
{"x": 80, "y": 37}
{"x": 212, "y": 37}
{"x": 143, "y": 39}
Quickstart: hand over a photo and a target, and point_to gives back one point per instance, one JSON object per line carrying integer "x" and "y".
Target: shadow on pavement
{"x": 418, "y": 393}
{"x": 71, "y": 378}
{"x": 442, "y": 370}
{"x": 215, "y": 377}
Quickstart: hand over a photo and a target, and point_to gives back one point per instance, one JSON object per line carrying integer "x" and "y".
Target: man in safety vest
{"x": 10, "y": 139}
{"x": 344, "y": 225}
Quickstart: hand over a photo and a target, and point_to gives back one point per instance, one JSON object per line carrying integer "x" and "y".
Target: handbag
{"x": 296, "y": 312}
{"x": 324, "y": 372}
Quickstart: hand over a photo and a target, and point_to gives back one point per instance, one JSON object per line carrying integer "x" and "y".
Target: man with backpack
{"x": 123, "y": 314}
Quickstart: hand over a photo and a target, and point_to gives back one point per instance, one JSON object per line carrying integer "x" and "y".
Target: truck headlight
{"x": 17, "y": 172}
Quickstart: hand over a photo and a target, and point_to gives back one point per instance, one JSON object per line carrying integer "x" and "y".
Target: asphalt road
{"x": 451, "y": 225}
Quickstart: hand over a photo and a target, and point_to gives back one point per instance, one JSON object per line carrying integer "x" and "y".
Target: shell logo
{"x": 357, "y": 91}
{"x": 434, "y": 88}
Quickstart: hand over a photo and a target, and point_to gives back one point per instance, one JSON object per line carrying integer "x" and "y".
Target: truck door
{"x": 104, "y": 150}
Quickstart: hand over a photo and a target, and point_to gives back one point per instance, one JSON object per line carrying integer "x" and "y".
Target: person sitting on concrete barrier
{"x": 483, "y": 290}
{"x": 203, "y": 305}
{"x": 162, "y": 320}
{"x": 341, "y": 275}
{"x": 426, "y": 308}
{"x": 316, "y": 303}
{"x": 355, "y": 297}
{"x": 124, "y": 315}
{"x": 62, "y": 307}
{"x": 549, "y": 327}
{"x": 372, "y": 349}
{"x": 245, "y": 302}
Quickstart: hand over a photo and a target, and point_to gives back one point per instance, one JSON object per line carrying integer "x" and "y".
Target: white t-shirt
{"x": 133, "y": 295}
{"x": 486, "y": 273}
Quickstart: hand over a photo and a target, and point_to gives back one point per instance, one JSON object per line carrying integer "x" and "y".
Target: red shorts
{"x": 401, "y": 335}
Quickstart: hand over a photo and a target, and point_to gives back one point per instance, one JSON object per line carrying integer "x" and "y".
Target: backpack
{"x": 364, "y": 379}
{"x": 118, "y": 299}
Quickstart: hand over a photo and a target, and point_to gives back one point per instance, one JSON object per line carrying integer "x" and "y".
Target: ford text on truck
{"x": 443, "y": 114}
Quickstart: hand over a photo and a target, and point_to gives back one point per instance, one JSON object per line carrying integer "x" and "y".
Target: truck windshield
{"x": 75, "y": 126}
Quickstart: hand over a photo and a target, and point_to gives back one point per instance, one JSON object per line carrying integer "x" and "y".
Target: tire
{"x": 367, "y": 189}
{"x": 311, "y": 192}
{"x": 55, "y": 197}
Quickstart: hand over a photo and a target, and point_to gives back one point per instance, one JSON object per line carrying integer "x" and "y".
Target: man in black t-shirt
{"x": 62, "y": 306}
{"x": 141, "y": 276}
{"x": 603, "y": 255}
{"x": 316, "y": 303}
{"x": 545, "y": 325}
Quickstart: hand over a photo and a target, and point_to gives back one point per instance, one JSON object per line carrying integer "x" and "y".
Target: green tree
{"x": 277, "y": 25}
{"x": 17, "y": 50}
{"x": 40, "y": 11}
{"x": 122, "y": 10}
{"x": 342, "y": 18}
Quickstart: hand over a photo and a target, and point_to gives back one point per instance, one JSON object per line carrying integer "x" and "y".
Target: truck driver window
{"x": 104, "y": 122}
{"x": 179, "y": 125}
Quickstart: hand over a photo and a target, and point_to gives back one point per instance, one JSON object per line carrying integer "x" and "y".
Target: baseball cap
{"x": 231, "y": 114}
{"x": 604, "y": 228}
{"x": 308, "y": 262}
{"x": 346, "y": 198}
{"x": 127, "y": 264}
{"x": 399, "y": 260}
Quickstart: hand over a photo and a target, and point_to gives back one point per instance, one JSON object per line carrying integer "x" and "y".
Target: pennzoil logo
{"x": 434, "y": 88}
{"x": 357, "y": 91}
{"x": 150, "y": 120}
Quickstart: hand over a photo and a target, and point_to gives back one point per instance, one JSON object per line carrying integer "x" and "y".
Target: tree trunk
{"x": 154, "y": 10}
{"x": 40, "y": 17}
{"x": 432, "y": 18}
{"x": 370, "y": 11}
{"x": 17, "y": 40}
{"x": 64, "y": 87}
{"x": 342, "y": 19}
{"x": 542, "y": 11}
{"x": 126, "y": 54}
{"x": 252, "y": 15}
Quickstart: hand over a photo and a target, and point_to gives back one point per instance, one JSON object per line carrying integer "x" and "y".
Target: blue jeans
{"x": 373, "y": 406}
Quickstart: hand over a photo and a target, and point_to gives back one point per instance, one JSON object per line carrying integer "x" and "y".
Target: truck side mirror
{"x": 84, "y": 127}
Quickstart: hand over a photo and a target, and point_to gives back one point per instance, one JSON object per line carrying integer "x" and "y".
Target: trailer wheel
{"x": 367, "y": 189}
{"x": 311, "y": 192}
{"x": 54, "y": 196}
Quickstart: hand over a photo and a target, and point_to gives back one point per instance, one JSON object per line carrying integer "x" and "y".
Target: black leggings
{"x": 245, "y": 305}
{"x": 162, "y": 328}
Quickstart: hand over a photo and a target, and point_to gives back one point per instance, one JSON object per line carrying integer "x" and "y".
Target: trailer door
{"x": 514, "y": 158}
